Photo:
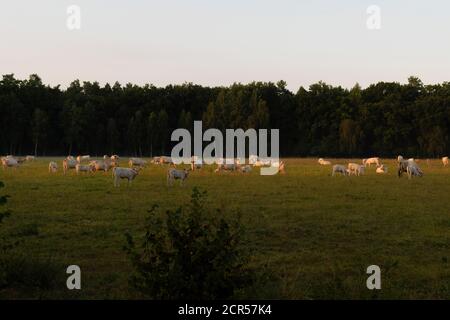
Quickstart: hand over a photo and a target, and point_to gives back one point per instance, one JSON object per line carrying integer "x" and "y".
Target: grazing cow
{"x": 404, "y": 164}
{"x": 356, "y": 169}
{"x": 30, "y": 158}
{"x": 226, "y": 167}
{"x": 175, "y": 174}
{"x": 370, "y": 161}
{"x": 323, "y": 162}
{"x": 124, "y": 173}
{"x": 337, "y": 168}
{"x": 81, "y": 158}
{"x": 68, "y": 164}
{"x": 445, "y": 161}
{"x": 9, "y": 162}
{"x": 165, "y": 160}
{"x": 52, "y": 167}
{"x": 137, "y": 162}
{"x": 413, "y": 171}
{"x": 84, "y": 168}
{"x": 381, "y": 169}
{"x": 104, "y": 165}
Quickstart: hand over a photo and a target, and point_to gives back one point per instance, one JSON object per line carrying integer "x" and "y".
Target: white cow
{"x": 175, "y": 174}
{"x": 403, "y": 166}
{"x": 413, "y": 171}
{"x": 104, "y": 165}
{"x": 370, "y": 161}
{"x": 356, "y": 169}
{"x": 381, "y": 169}
{"x": 137, "y": 162}
{"x": 124, "y": 173}
{"x": 337, "y": 168}
{"x": 52, "y": 167}
{"x": 323, "y": 162}
{"x": 30, "y": 158}
{"x": 81, "y": 158}
{"x": 69, "y": 163}
{"x": 445, "y": 161}
{"x": 84, "y": 168}
{"x": 227, "y": 167}
{"x": 9, "y": 162}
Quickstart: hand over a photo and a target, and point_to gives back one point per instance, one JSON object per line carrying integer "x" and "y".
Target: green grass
{"x": 317, "y": 234}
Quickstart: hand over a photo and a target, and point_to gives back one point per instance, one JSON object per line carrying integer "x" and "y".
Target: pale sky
{"x": 217, "y": 43}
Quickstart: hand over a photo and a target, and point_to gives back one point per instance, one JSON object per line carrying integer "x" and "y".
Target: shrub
{"x": 190, "y": 253}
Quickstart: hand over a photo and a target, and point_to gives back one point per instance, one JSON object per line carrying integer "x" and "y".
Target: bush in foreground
{"x": 191, "y": 253}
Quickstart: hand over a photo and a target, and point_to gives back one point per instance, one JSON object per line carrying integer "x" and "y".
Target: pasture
{"x": 315, "y": 233}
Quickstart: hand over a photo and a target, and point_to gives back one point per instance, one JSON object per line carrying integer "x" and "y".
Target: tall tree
{"x": 39, "y": 127}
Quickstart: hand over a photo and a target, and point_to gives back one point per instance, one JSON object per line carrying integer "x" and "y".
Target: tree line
{"x": 384, "y": 119}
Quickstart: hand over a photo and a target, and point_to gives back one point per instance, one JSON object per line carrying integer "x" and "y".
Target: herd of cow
{"x": 409, "y": 166}
{"x": 84, "y": 164}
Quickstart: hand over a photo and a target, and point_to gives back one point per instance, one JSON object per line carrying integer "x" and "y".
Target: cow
{"x": 370, "y": 161}
{"x": 69, "y": 163}
{"x": 176, "y": 174}
{"x": 84, "y": 168}
{"x": 137, "y": 162}
{"x": 337, "y": 168}
{"x": 124, "y": 173}
{"x": 52, "y": 167}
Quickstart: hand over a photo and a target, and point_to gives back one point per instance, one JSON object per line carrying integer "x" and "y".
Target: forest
{"x": 385, "y": 119}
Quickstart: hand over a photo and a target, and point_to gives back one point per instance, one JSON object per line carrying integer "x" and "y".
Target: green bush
{"x": 190, "y": 253}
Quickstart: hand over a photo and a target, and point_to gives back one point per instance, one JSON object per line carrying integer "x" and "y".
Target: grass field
{"x": 316, "y": 233}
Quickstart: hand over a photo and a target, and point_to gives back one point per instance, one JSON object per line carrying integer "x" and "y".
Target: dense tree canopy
{"x": 384, "y": 119}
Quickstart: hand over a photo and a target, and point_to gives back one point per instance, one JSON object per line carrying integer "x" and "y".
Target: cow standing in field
{"x": 445, "y": 161}
{"x": 356, "y": 169}
{"x": 9, "y": 161}
{"x": 124, "y": 173}
{"x": 84, "y": 168}
{"x": 81, "y": 158}
{"x": 227, "y": 167}
{"x": 370, "y": 161}
{"x": 68, "y": 164}
{"x": 52, "y": 167}
{"x": 104, "y": 165}
{"x": 175, "y": 174}
{"x": 337, "y": 168}
{"x": 408, "y": 166}
{"x": 137, "y": 162}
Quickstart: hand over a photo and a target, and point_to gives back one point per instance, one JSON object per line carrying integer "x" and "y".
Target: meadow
{"x": 316, "y": 234}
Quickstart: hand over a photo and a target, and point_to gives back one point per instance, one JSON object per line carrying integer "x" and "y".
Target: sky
{"x": 217, "y": 43}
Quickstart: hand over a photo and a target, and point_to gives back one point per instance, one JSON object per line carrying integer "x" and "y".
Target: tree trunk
{"x": 35, "y": 148}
